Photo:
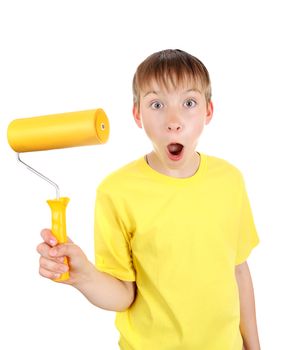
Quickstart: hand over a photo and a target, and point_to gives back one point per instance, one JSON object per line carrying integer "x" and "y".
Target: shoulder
{"x": 120, "y": 177}
{"x": 223, "y": 169}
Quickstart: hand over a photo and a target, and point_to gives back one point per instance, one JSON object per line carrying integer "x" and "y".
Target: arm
{"x": 248, "y": 324}
{"x": 104, "y": 290}
{"x": 101, "y": 289}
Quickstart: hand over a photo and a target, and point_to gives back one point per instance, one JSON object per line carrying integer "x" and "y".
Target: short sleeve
{"x": 248, "y": 237}
{"x": 112, "y": 241}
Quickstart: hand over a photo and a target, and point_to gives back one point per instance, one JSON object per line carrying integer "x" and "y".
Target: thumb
{"x": 64, "y": 249}
{"x": 69, "y": 240}
{"x": 77, "y": 260}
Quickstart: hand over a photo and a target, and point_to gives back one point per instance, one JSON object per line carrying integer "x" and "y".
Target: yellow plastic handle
{"x": 58, "y": 226}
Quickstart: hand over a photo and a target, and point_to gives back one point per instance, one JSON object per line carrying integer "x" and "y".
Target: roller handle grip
{"x": 58, "y": 226}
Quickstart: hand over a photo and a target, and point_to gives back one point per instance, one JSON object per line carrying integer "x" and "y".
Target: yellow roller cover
{"x": 63, "y": 130}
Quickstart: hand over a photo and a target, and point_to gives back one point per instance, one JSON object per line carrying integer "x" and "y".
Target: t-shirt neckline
{"x": 171, "y": 179}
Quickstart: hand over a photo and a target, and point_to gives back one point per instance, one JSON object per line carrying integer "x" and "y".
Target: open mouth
{"x": 175, "y": 149}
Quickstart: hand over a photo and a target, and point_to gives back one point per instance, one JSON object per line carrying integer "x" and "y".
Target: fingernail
{"x": 52, "y": 242}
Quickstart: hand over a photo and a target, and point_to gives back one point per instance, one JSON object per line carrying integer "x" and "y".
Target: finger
{"x": 48, "y": 274}
{"x": 52, "y": 266}
{"x": 48, "y": 237}
{"x": 43, "y": 249}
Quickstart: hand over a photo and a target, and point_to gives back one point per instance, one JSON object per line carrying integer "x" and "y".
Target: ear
{"x": 209, "y": 113}
{"x": 137, "y": 116}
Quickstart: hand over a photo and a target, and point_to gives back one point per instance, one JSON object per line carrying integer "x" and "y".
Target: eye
{"x": 190, "y": 103}
{"x": 156, "y": 105}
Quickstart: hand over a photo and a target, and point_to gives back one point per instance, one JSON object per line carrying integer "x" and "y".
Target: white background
{"x": 62, "y": 56}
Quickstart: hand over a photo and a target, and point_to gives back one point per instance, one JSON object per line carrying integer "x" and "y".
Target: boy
{"x": 173, "y": 229}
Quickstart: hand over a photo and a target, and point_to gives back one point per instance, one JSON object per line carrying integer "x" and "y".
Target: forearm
{"x": 248, "y": 323}
{"x": 104, "y": 290}
{"x": 101, "y": 289}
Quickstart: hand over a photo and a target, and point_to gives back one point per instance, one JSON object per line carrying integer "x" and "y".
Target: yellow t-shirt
{"x": 180, "y": 240}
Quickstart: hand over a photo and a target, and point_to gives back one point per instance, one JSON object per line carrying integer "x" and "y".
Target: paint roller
{"x": 57, "y": 131}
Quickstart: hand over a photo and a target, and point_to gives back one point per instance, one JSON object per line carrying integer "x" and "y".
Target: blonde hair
{"x": 171, "y": 67}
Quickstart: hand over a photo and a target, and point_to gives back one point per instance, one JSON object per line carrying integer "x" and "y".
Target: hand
{"x": 51, "y": 262}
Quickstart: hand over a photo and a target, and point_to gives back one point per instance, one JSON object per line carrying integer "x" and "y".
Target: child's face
{"x": 173, "y": 120}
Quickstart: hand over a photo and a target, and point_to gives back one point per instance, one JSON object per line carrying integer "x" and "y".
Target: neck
{"x": 187, "y": 171}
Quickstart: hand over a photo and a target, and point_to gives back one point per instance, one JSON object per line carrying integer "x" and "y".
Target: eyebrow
{"x": 150, "y": 92}
{"x": 156, "y": 92}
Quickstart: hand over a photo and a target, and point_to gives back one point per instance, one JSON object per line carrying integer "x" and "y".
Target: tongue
{"x": 175, "y": 148}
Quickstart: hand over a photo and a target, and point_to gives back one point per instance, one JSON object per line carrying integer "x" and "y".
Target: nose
{"x": 174, "y": 125}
